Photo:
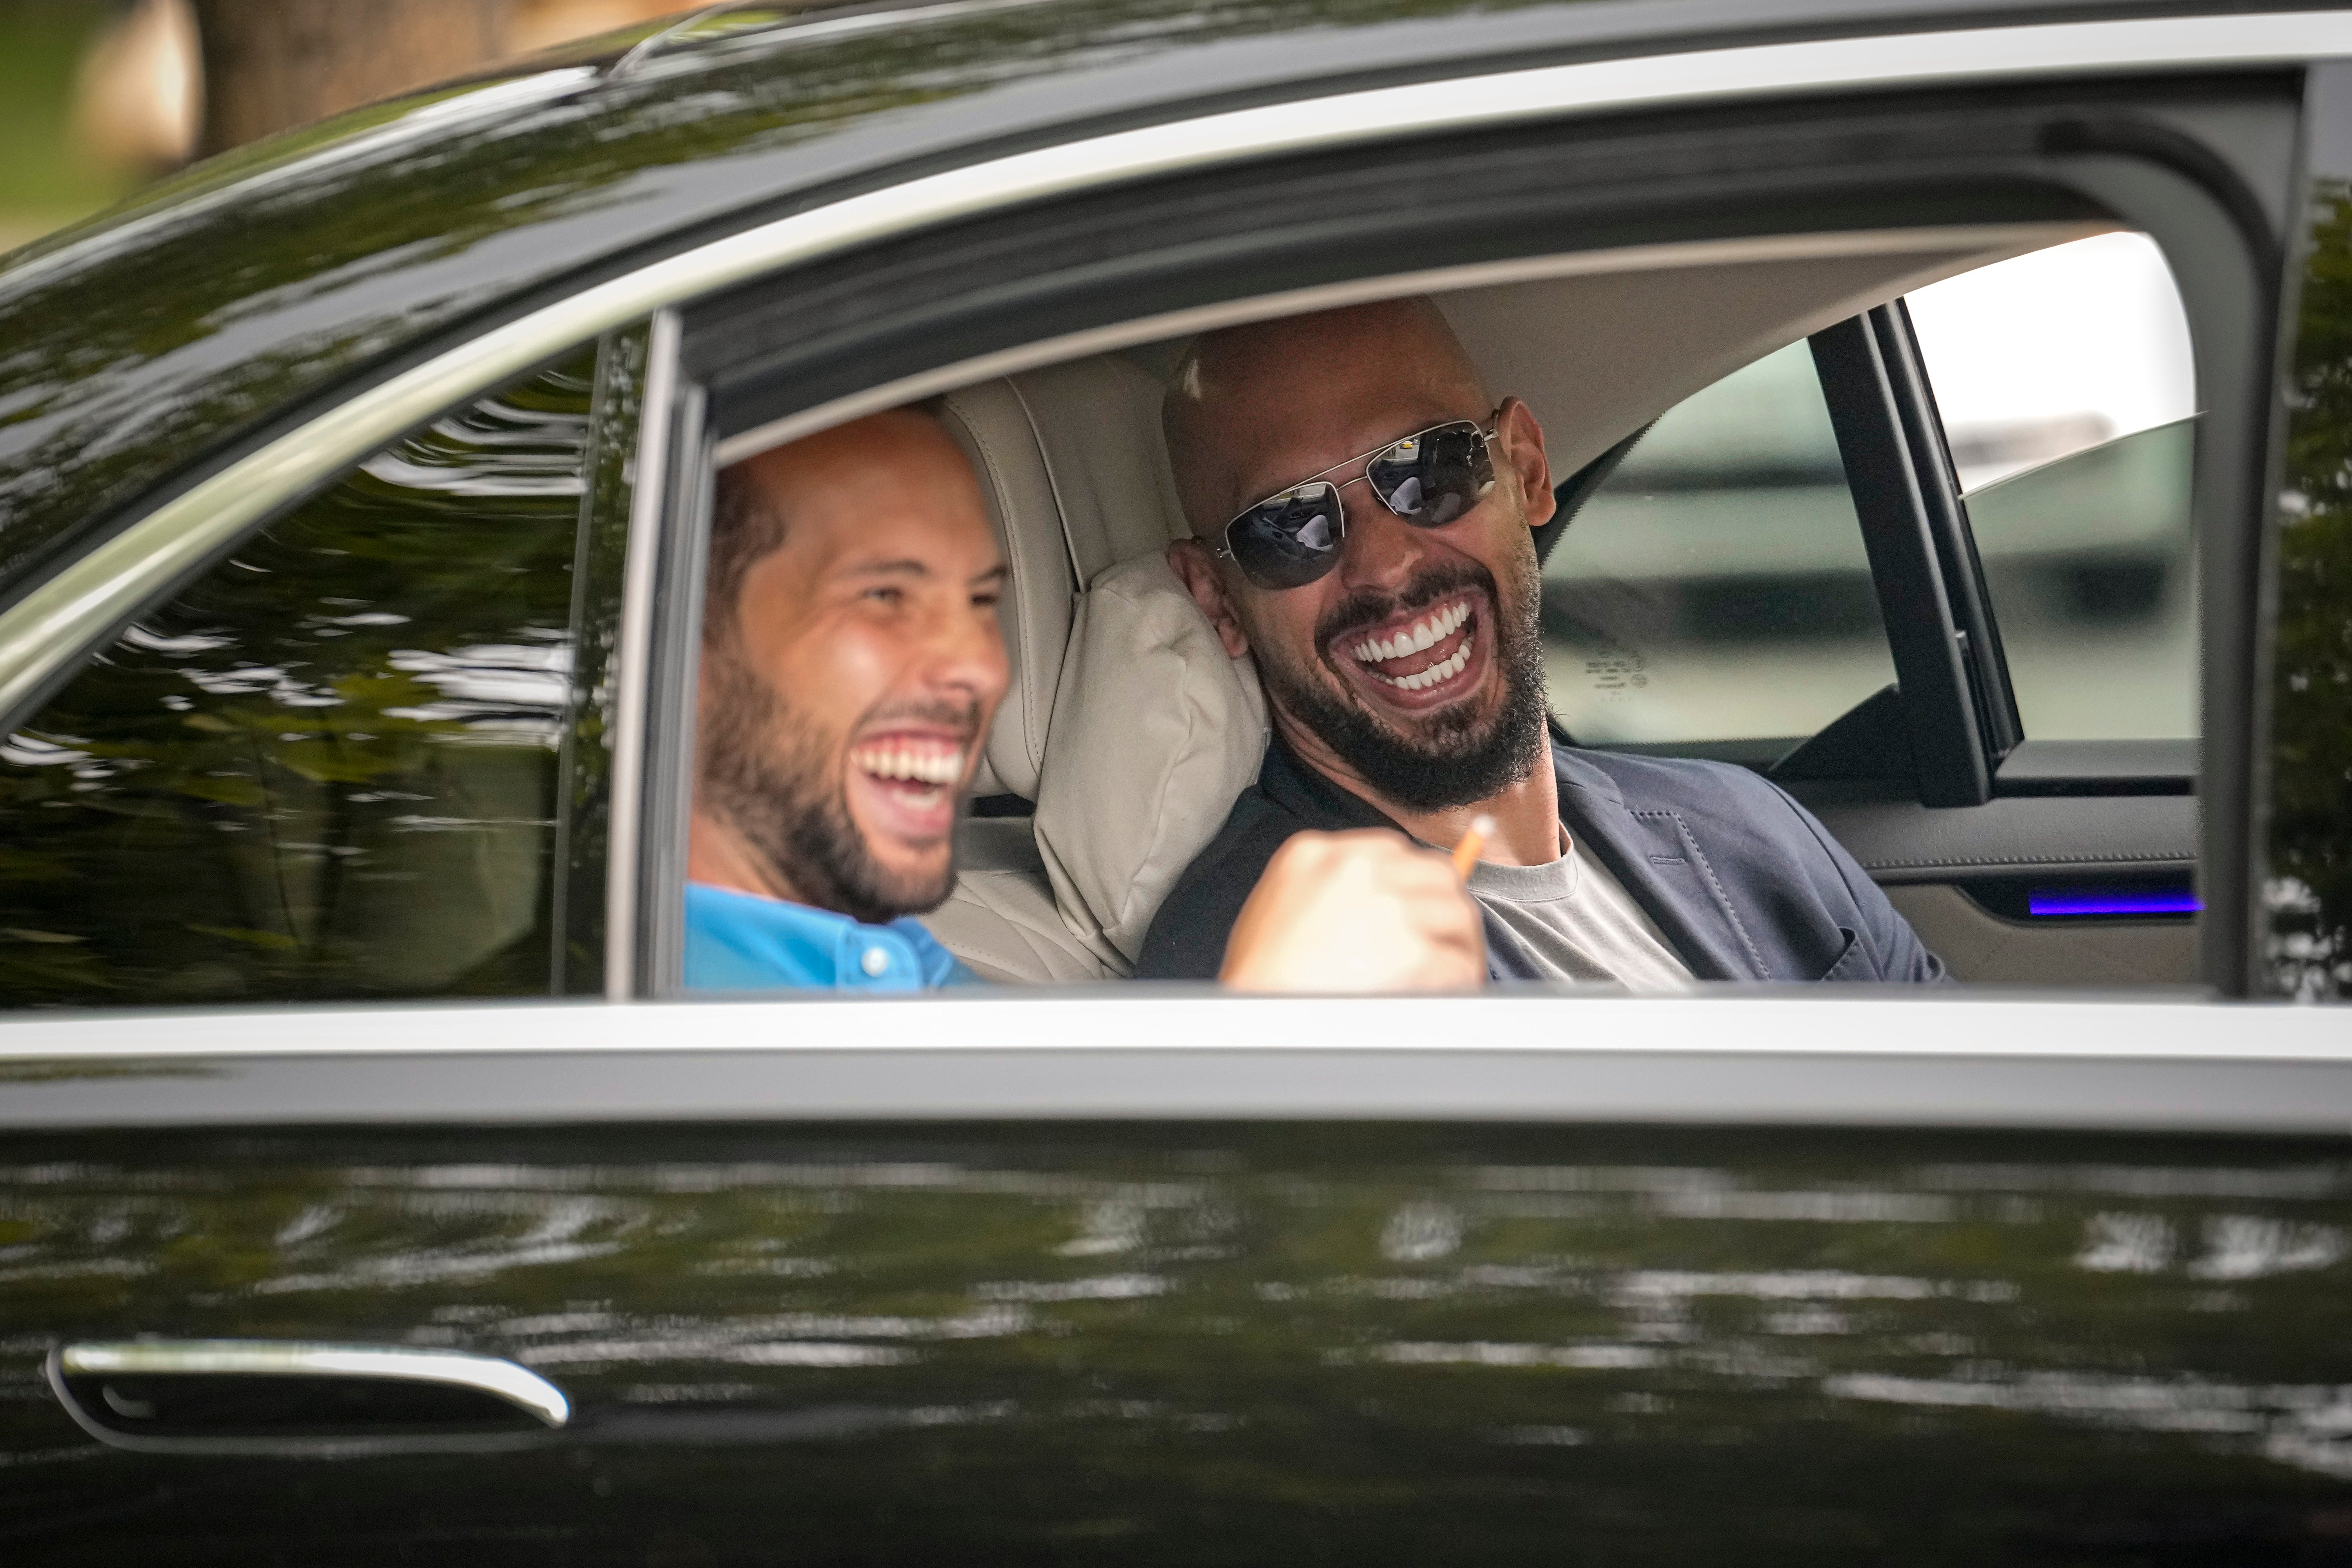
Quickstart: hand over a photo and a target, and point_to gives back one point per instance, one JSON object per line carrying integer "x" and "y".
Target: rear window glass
{"x": 327, "y": 768}
{"x": 1715, "y": 587}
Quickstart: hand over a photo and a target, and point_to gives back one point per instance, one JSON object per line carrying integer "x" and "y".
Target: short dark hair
{"x": 745, "y": 529}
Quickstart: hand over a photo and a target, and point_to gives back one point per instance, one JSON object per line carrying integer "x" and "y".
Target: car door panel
{"x": 1901, "y": 841}
{"x": 1144, "y": 1342}
{"x": 1977, "y": 945}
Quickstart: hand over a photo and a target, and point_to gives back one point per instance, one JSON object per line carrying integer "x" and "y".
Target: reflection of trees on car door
{"x": 330, "y": 765}
{"x": 2310, "y": 886}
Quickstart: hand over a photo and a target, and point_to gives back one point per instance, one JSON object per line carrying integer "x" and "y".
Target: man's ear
{"x": 1522, "y": 443}
{"x": 1190, "y": 561}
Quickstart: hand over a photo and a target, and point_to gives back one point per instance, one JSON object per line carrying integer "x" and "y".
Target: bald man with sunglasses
{"x": 1363, "y": 516}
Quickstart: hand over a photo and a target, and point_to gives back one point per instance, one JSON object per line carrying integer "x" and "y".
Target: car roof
{"x": 144, "y": 347}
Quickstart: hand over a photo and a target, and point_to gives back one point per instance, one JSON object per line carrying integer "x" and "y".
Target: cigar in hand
{"x": 1465, "y": 854}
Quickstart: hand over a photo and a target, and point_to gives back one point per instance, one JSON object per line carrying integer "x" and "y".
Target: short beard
{"x": 1454, "y": 758}
{"x": 774, "y": 779}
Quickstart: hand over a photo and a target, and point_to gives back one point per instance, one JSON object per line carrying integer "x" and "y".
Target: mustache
{"x": 1368, "y": 607}
{"x": 963, "y": 718}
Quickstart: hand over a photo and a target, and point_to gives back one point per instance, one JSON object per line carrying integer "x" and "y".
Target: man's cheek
{"x": 849, "y": 669}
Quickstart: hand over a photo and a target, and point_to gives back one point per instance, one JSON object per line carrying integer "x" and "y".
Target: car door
{"x": 1092, "y": 1275}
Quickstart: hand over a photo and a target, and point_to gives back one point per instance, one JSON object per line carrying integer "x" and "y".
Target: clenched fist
{"x": 1365, "y": 911}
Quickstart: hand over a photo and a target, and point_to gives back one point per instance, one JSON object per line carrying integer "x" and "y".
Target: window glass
{"x": 2067, "y": 392}
{"x": 327, "y": 768}
{"x": 1715, "y": 587}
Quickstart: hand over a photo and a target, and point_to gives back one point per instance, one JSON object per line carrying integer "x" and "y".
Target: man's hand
{"x": 1357, "y": 911}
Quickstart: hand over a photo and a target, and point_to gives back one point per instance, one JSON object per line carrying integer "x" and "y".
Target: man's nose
{"x": 1381, "y": 549}
{"x": 965, "y": 653}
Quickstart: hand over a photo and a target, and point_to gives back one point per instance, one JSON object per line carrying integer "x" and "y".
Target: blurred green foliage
{"x": 44, "y": 179}
{"x": 2310, "y": 947}
{"x": 326, "y": 769}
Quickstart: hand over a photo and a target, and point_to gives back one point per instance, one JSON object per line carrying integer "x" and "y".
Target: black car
{"x": 373, "y": 1191}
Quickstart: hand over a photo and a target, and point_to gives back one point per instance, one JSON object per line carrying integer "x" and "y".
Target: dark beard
{"x": 1455, "y": 758}
{"x": 771, "y": 777}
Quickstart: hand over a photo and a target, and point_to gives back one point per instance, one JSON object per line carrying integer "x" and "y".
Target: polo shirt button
{"x": 874, "y": 962}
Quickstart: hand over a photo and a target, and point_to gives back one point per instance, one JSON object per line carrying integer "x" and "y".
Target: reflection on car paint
{"x": 2064, "y": 1331}
{"x": 2307, "y": 894}
{"x": 254, "y": 279}
{"x": 342, "y": 742}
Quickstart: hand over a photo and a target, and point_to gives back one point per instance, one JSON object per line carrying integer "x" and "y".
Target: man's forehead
{"x": 890, "y": 488}
{"x": 1278, "y": 403}
{"x": 1306, "y": 438}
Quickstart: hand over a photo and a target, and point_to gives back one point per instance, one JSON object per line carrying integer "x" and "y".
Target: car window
{"x": 2068, "y": 397}
{"x": 327, "y": 768}
{"x": 1716, "y": 586}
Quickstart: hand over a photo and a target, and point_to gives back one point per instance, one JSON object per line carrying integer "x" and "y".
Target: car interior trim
{"x": 633, "y": 655}
{"x": 82, "y": 603}
{"x": 1977, "y": 634}
{"x": 1915, "y": 604}
{"x": 501, "y": 1379}
{"x": 733, "y": 446}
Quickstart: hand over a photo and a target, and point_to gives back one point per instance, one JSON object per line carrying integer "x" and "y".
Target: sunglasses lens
{"x": 1290, "y": 540}
{"x": 1431, "y": 478}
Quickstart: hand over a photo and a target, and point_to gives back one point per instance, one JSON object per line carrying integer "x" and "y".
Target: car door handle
{"x": 271, "y": 1395}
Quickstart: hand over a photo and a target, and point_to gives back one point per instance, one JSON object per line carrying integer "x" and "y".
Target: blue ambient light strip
{"x": 2113, "y": 901}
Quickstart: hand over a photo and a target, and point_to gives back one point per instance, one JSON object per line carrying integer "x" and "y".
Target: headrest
{"x": 1156, "y": 732}
{"x": 1076, "y": 479}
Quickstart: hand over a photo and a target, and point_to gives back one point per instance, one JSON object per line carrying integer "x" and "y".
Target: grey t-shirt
{"x": 1580, "y": 922}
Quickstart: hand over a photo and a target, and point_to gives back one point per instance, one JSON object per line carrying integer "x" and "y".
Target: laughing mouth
{"x": 1403, "y": 653}
{"x": 920, "y": 771}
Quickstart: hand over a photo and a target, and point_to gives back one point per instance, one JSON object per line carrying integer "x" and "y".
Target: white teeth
{"x": 939, "y": 768}
{"x": 1421, "y": 635}
{"x": 1444, "y": 669}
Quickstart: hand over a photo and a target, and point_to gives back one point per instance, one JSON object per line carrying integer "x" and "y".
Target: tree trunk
{"x": 273, "y": 64}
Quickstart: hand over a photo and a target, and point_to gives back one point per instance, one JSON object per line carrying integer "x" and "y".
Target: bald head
{"x": 1250, "y": 403}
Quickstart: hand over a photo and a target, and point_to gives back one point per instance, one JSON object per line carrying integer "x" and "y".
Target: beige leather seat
{"x": 1126, "y": 724}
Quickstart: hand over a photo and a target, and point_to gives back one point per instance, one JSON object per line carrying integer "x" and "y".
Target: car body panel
{"x": 1125, "y": 1273}
{"x": 1877, "y": 1055}
{"x": 142, "y": 343}
{"x": 1372, "y": 1343}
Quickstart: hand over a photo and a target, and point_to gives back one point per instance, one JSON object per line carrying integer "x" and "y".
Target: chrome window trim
{"x": 1859, "y": 1020}
{"x": 632, "y": 659}
{"x": 1875, "y": 1056}
{"x": 518, "y": 1386}
{"x": 82, "y": 603}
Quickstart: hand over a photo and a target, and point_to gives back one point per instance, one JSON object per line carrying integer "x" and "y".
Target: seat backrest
{"x": 1076, "y": 483}
{"x": 1076, "y": 478}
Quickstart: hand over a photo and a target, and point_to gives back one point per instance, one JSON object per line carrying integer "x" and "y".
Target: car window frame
{"x": 726, "y": 390}
{"x": 48, "y": 626}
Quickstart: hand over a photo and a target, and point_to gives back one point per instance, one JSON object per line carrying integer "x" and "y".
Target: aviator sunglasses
{"x": 1429, "y": 478}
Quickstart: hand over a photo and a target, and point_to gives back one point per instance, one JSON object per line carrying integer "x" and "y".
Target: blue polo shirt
{"x": 741, "y": 942}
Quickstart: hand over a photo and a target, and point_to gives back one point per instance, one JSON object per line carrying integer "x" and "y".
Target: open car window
{"x": 2067, "y": 389}
{"x": 1718, "y": 586}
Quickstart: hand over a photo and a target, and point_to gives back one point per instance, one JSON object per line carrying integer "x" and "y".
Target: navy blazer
{"x": 1742, "y": 880}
